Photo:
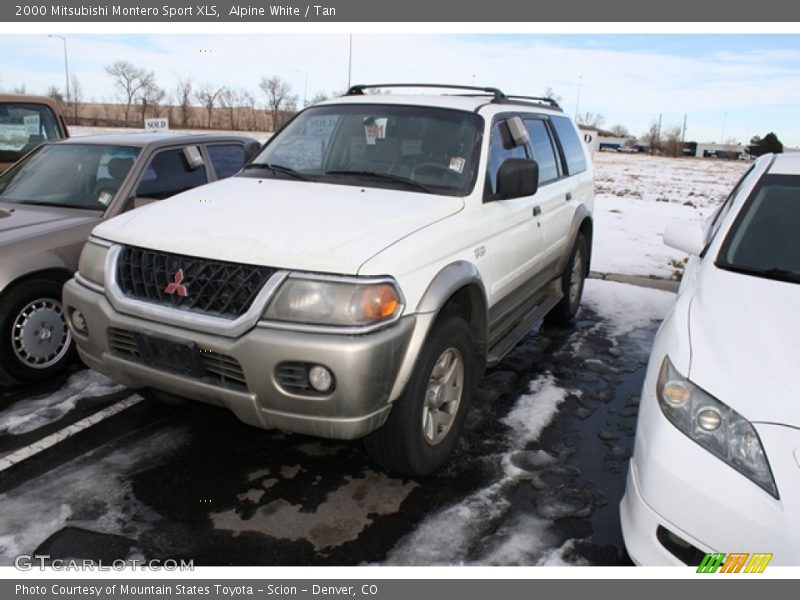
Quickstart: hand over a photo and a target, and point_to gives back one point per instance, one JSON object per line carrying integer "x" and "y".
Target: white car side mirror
{"x": 686, "y": 236}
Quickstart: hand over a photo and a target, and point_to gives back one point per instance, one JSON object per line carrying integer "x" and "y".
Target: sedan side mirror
{"x": 686, "y": 236}
{"x": 517, "y": 178}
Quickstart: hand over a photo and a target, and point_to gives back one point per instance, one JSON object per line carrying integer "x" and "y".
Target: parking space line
{"x": 59, "y": 436}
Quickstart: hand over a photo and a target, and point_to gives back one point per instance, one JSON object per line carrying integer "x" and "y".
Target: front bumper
{"x": 365, "y": 368}
{"x": 676, "y": 485}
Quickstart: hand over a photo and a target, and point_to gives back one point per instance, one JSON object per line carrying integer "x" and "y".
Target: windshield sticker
{"x": 457, "y": 164}
{"x": 321, "y": 127}
{"x": 374, "y": 129}
{"x": 104, "y": 198}
{"x": 31, "y": 124}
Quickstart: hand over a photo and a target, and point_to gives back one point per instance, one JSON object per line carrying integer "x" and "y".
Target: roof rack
{"x": 358, "y": 90}
{"x": 497, "y": 95}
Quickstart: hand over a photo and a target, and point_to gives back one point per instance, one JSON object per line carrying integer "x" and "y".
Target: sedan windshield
{"x": 415, "y": 148}
{"x": 72, "y": 175}
{"x": 764, "y": 240}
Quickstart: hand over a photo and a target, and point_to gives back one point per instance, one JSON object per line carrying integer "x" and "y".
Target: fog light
{"x": 709, "y": 420}
{"x": 320, "y": 378}
{"x": 78, "y": 322}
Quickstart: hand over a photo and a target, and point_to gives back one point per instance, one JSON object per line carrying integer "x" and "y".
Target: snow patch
{"x": 534, "y": 411}
{"x": 624, "y": 308}
{"x": 31, "y": 414}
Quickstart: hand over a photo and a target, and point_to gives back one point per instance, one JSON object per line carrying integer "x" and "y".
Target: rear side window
{"x": 169, "y": 174}
{"x": 23, "y": 126}
{"x": 571, "y": 144}
{"x": 543, "y": 152}
{"x": 226, "y": 158}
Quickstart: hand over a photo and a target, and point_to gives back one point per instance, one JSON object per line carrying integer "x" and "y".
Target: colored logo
{"x": 175, "y": 287}
{"x": 737, "y": 562}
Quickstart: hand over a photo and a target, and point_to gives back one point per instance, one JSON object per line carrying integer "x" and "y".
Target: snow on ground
{"x": 33, "y": 413}
{"x": 93, "y": 492}
{"x": 637, "y": 196}
{"x": 484, "y": 519}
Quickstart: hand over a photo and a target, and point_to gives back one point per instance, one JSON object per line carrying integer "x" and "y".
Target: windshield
{"x": 23, "y": 126}
{"x": 73, "y": 175}
{"x": 764, "y": 240}
{"x": 417, "y": 148}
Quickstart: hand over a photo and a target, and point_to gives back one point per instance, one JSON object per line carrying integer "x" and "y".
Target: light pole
{"x": 350, "y": 62}
{"x": 578, "y": 99}
{"x": 305, "y": 86}
{"x": 66, "y": 64}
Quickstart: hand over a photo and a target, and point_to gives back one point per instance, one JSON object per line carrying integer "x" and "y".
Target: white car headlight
{"x": 714, "y": 426}
{"x": 335, "y": 302}
{"x": 92, "y": 263}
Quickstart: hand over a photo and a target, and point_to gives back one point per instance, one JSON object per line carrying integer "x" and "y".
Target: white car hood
{"x": 278, "y": 223}
{"x": 745, "y": 339}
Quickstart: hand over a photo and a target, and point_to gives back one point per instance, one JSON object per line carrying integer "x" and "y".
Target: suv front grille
{"x": 212, "y": 287}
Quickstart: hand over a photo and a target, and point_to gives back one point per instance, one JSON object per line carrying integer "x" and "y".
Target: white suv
{"x": 358, "y": 276}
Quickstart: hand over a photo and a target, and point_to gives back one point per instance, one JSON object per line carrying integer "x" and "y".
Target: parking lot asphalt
{"x": 536, "y": 478}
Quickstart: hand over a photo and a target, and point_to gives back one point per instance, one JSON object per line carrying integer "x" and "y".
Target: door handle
{"x": 568, "y": 197}
{"x": 537, "y": 210}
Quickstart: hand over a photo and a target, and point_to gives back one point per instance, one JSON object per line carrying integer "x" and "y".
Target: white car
{"x": 716, "y": 464}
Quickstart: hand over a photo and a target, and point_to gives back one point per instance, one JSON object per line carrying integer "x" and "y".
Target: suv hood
{"x": 278, "y": 223}
{"x": 745, "y": 336}
{"x": 20, "y": 221}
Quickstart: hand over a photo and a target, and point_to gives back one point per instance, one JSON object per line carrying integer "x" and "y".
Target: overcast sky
{"x": 728, "y": 86}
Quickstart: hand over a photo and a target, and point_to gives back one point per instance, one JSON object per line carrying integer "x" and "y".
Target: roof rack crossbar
{"x": 543, "y": 99}
{"x": 358, "y": 90}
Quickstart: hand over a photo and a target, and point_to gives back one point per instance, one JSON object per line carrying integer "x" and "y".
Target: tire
{"x": 572, "y": 281}
{"x": 418, "y": 437}
{"x": 35, "y": 342}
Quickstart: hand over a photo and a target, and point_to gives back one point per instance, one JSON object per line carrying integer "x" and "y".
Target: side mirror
{"x": 193, "y": 157}
{"x": 517, "y": 178}
{"x": 686, "y": 236}
{"x": 250, "y": 150}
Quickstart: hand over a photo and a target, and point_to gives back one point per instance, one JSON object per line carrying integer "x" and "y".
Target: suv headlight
{"x": 714, "y": 426}
{"x": 92, "y": 263}
{"x": 345, "y": 302}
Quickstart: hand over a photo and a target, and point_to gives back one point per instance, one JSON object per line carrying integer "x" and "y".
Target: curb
{"x": 669, "y": 285}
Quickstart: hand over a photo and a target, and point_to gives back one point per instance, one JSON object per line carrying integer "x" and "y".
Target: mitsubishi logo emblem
{"x": 176, "y": 287}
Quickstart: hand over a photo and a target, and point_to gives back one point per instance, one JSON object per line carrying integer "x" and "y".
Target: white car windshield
{"x": 71, "y": 175}
{"x": 417, "y": 148}
{"x": 764, "y": 240}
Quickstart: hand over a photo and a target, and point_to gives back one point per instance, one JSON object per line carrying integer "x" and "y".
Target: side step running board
{"x": 507, "y": 342}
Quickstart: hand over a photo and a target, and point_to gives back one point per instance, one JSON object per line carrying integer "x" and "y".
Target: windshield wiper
{"x": 276, "y": 169}
{"x": 771, "y": 273}
{"x": 385, "y": 177}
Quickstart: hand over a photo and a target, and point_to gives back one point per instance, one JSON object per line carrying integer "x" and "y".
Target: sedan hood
{"x": 745, "y": 336}
{"x": 284, "y": 224}
{"x": 18, "y": 221}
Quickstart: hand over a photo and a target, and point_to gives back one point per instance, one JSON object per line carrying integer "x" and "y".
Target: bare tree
{"x": 183, "y": 97}
{"x": 590, "y": 119}
{"x": 20, "y": 89}
{"x": 279, "y": 97}
{"x": 549, "y": 92}
{"x": 130, "y": 81}
{"x": 620, "y": 131}
{"x": 229, "y": 99}
{"x": 653, "y": 138}
{"x": 207, "y": 95}
{"x": 249, "y": 106}
{"x": 673, "y": 146}
{"x": 151, "y": 95}
{"x": 319, "y": 97}
{"x": 76, "y": 91}
{"x": 52, "y": 92}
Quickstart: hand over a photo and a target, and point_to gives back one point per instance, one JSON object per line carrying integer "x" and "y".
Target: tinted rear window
{"x": 227, "y": 159}
{"x": 571, "y": 143}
